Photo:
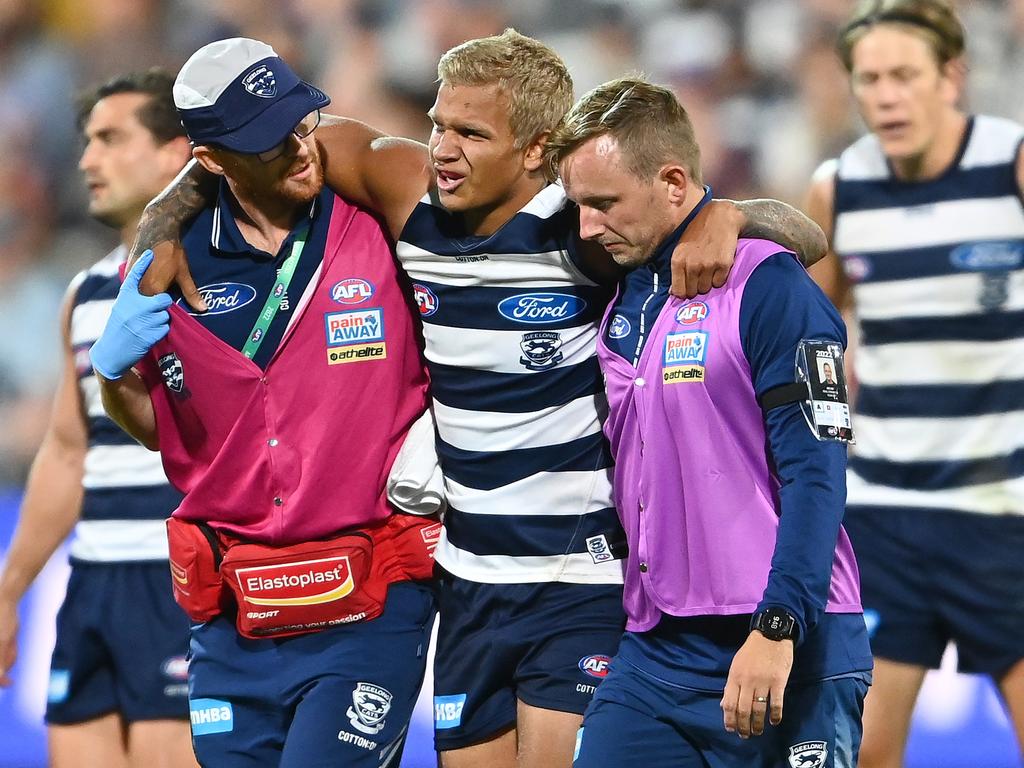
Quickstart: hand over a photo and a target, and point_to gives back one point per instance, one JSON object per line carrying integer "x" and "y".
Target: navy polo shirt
{"x": 236, "y": 278}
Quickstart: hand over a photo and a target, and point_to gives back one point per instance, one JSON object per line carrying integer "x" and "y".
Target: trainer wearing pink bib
{"x": 279, "y": 412}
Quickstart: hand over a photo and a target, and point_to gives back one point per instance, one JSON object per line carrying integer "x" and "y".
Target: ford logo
{"x": 541, "y": 307}
{"x": 982, "y": 257}
{"x": 225, "y": 297}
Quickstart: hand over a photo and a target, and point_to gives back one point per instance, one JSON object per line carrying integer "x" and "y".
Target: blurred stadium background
{"x": 767, "y": 95}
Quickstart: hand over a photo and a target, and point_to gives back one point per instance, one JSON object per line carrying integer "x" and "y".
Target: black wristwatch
{"x": 775, "y": 624}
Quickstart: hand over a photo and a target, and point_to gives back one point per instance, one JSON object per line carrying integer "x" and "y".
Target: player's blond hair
{"x": 647, "y": 121}
{"x": 933, "y": 20}
{"x": 532, "y": 76}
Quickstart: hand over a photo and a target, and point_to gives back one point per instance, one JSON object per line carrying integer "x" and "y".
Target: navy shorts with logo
{"x": 339, "y": 698}
{"x": 547, "y": 645}
{"x": 639, "y": 719}
{"x": 121, "y": 645}
{"x": 929, "y": 577}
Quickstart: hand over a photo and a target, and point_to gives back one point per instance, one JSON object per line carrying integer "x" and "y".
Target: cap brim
{"x": 272, "y": 126}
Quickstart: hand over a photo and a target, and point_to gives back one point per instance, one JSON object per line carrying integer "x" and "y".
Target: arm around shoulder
{"x": 386, "y": 174}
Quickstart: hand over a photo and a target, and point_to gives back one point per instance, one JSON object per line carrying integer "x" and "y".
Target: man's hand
{"x": 169, "y": 267}
{"x": 136, "y": 323}
{"x": 757, "y": 679}
{"x": 705, "y": 254}
{"x": 8, "y": 639}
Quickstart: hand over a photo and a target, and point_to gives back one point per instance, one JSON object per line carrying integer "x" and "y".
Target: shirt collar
{"x": 227, "y": 238}
{"x": 661, "y": 261}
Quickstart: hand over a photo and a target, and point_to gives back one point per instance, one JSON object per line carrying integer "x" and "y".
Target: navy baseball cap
{"x": 239, "y": 94}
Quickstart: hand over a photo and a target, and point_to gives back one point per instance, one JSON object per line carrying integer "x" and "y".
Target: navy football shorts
{"x": 930, "y": 577}
{"x": 339, "y": 698}
{"x": 121, "y": 644}
{"x": 547, "y": 645}
{"x": 639, "y": 719}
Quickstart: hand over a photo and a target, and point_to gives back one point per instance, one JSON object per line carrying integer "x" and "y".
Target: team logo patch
{"x": 211, "y": 716}
{"x": 426, "y": 299}
{"x": 355, "y": 335}
{"x": 541, "y": 308}
{"x": 808, "y": 754}
{"x": 173, "y": 372}
{"x": 59, "y": 685}
{"x": 987, "y": 257}
{"x": 261, "y": 82}
{"x": 596, "y": 665}
{"x": 619, "y": 327}
{"x": 222, "y": 298}
{"x": 307, "y": 582}
{"x": 684, "y": 358}
{"x": 599, "y": 550}
{"x": 352, "y": 290}
{"x": 175, "y": 667}
{"x": 448, "y": 711}
{"x": 541, "y": 350}
{"x": 692, "y": 313}
{"x": 370, "y": 705}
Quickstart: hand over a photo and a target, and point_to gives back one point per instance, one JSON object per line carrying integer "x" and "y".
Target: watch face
{"x": 775, "y": 624}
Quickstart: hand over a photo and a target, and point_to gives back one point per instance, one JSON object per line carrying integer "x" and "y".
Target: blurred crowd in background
{"x": 767, "y": 94}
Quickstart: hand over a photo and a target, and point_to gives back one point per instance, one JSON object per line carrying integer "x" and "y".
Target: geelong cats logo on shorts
{"x": 370, "y": 705}
{"x": 173, "y": 372}
{"x": 808, "y": 754}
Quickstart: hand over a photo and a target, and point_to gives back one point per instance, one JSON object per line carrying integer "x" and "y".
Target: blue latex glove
{"x": 136, "y": 323}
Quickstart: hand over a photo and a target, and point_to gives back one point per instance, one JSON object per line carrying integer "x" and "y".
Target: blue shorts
{"x": 340, "y": 698}
{"x": 121, "y": 644}
{"x": 546, "y": 644}
{"x": 929, "y": 577}
{"x": 639, "y": 719}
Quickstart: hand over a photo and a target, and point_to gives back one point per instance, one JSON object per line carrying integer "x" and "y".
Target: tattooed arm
{"x": 772, "y": 220}
{"x": 159, "y": 231}
{"x": 705, "y": 253}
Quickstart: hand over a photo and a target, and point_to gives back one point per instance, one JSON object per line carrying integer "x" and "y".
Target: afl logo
{"x": 596, "y": 665}
{"x": 352, "y": 290}
{"x": 692, "y": 313}
{"x": 426, "y": 300}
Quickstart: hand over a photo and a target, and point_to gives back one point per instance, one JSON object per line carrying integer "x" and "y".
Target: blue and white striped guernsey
{"x": 511, "y": 326}
{"x": 126, "y": 495}
{"x": 938, "y": 274}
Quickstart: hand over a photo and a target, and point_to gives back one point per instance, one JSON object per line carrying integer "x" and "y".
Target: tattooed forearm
{"x": 183, "y": 198}
{"x": 773, "y": 220}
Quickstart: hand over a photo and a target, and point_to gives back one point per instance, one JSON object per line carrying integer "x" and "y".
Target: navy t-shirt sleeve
{"x": 780, "y": 306}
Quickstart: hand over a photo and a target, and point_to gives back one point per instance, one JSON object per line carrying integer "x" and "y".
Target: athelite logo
{"x": 308, "y": 582}
{"x": 355, "y": 335}
{"x": 595, "y": 665}
{"x": 684, "y": 357}
{"x": 539, "y": 308}
{"x": 352, "y": 290}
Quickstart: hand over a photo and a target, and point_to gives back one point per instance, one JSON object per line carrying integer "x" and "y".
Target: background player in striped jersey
{"x": 927, "y": 228}
{"x": 117, "y": 693}
{"x": 510, "y": 298}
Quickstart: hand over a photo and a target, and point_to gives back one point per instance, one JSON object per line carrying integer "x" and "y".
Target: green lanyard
{"x": 270, "y": 309}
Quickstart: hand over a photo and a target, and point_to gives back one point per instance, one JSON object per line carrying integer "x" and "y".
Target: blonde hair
{"x": 532, "y": 76}
{"x": 648, "y": 122}
{"x": 933, "y": 20}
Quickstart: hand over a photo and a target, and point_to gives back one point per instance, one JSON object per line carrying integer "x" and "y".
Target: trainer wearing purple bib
{"x": 741, "y": 588}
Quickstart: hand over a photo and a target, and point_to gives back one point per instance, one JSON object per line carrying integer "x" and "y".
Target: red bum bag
{"x": 291, "y": 590}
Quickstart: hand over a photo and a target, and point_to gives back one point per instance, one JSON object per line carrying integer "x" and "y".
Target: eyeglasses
{"x": 305, "y": 127}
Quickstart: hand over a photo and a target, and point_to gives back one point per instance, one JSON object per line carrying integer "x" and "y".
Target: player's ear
{"x": 208, "y": 157}
{"x": 534, "y": 159}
